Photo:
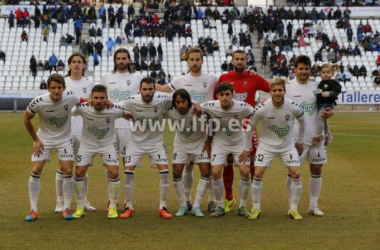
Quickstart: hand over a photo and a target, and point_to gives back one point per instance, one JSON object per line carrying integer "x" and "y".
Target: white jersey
{"x": 54, "y": 117}
{"x": 148, "y": 126}
{"x": 98, "y": 126}
{"x": 190, "y": 130}
{"x": 230, "y": 129}
{"x": 303, "y": 95}
{"x": 201, "y": 88}
{"x": 120, "y": 86}
{"x": 277, "y": 123}
{"x": 83, "y": 89}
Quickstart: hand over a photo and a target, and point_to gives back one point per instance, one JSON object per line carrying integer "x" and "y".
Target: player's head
{"x": 326, "y": 70}
{"x": 302, "y": 68}
{"x": 277, "y": 90}
{"x": 77, "y": 64}
{"x": 147, "y": 88}
{"x": 225, "y": 94}
{"x": 239, "y": 62}
{"x": 182, "y": 101}
{"x": 194, "y": 57}
{"x": 56, "y": 86}
{"x": 99, "y": 96}
{"x": 122, "y": 61}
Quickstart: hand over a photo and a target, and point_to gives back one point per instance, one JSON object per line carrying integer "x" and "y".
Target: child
{"x": 328, "y": 91}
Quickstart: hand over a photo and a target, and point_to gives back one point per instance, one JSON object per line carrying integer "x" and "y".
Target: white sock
{"x": 164, "y": 187}
{"x": 203, "y": 184}
{"x": 34, "y": 190}
{"x": 288, "y": 190}
{"x": 256, "y": 188}
{"x": 315, "y": 189}
{"x": 180, "y": 189}
{"x": 129, "y": 182}
{"x": 243, "y": 191}
{"x": 86, "y": 181}
{"x": 296, "y": 190}
{"x": 188, "y": 179}
{"x": 108, "y": 181}
{"x": 80, "y": 191}
{"x": 68, "y": 189}
{"x": 58, "y": 185}
{"x": 113, "y": 192}
{"x": 210, "y": 191}
{"x": 217, "y": 186}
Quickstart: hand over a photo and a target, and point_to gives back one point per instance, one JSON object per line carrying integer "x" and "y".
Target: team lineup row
{"x": 124, "y": 96}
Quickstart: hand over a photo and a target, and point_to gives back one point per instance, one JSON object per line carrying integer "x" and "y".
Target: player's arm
{"x": 301, "y": 133}
{"x": 250, "y": 127}
{"x": 128, "y": 115}
{"x": 163, "y": 88}
{"x": 38, "y": 146}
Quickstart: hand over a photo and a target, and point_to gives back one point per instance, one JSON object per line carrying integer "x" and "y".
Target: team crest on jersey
{"x": 245, "y": 84}
{"x": 108, "y": 119}
{"x": 66, "y": 107}
{"x": 155, "y": 108}
{"x": 128, "y": 82}
{"x": 191, "y": 123}
{"x": 204, "y": 84}
{"x": 236, "y": 117}
{"x": 287, "y": 117}
{"x": 84, "y": 90}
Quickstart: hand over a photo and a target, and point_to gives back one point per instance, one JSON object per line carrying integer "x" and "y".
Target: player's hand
{"x": 327, "y": 113}
{"x": 263, "y": 100}
{"x": 243, "y": 156}
{"x": 317, "y": 139}
{"x": 109, "y": 104}
{"x": 325, "y": 94}
{"x": 299, "y": 147}
{"x": 207, "y": 148}
{"x": 252, "y": 72}
{"x": 90, "y": 102}
{"x": 128, "y": 115}
{"x": 197, "y": 109}
{"x": 38, "y": 147}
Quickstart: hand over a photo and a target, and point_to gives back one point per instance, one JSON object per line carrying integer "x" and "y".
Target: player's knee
{"x": 244, "y": 173}
{"x": 205, "y": 173}
{"x": 80, "y": 172}
{"x": 113, "y": 173}
{"x": 177, "y": 174}
{"x": 215, "y": 174}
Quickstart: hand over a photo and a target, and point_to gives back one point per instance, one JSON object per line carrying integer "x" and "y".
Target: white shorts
{"x": 181, "y": 156}
{"x": 65, "y": 151}
{"x": 76, "y": 139}
{"x": 123, "y": 135}
{"x": 156, "y": 151}
{"x": 288, "y": 156}
{"x": 314, "y": 154}
{"x": 86, "y": 154}
{"x": 219, "y": 154}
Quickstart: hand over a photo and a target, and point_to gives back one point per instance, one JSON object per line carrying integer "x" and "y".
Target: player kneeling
{"x": 98, "y": 138}
{"x": 277, "y": 116}
{"x": 190, "y": 141}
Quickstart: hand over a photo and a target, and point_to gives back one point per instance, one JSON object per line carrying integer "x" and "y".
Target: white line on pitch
{"x": 377, "y": 136}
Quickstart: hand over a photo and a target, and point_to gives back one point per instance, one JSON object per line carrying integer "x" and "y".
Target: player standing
{"x": 82, "y": 87}
{"x": 228, "y": 116}
{"x": 245, "y": 86}
{"x": 277, "y": 116}
{"x": 98, "y": 138}
{"x": 54, "y": 113}
{"x": 302, "y": 91}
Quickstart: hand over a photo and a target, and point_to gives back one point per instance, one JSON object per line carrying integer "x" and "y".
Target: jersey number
{"x": 174, "y": 156}
{"x": 213, "y": 157}
{"x": 260, "y": 158}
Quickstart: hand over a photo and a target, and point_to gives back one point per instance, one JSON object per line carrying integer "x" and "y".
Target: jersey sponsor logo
{"x": 198, "y": 97}
{"x": 98, "y": 132}
{"x": 309, "y": 108}
{"x": 66, "y": 107}
{"x": 188, "y": 85}
{"x": 138, "y": 110}
{"x": 58, "y": 122}
{"x": 270, "y": 118}
{"x": 229, "y": 130}
{"x": 240, "y": 96}
{"x": 112, "y": 83}
{"x": 297, "y": 96}
{"x": 117, "y": 95}
{"x": 186, "y": 132}
{"x": 281, "y": 132}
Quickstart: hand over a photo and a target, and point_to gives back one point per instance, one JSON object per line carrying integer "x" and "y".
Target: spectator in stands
{"x": 354, "y": 71}
{"x": 229, "y": 51}
{"x": 340, "y": 76}
{"x": 43, "y": 84}
{"x": 46, "y": 65}
{"x": 331, "y": 56}
{"x": 33, "y": 66}
{"x": 158, "y": 65}
{"x": 136, "y": 52}
{"x": 152, "y": 66}
{"x": 118, "y": 40}
{"x": 61, "y": 65}
{"x": 40, "y": 66}
{"x": 301, "y": 41}
{"x": 128, "y": 29}
{"x": 144, "y": 65}
{"x": 188, "y": 32}
{"x": 324, "y": 55}
{"x": 110, "y": 44}
{"x": 53, "y": 60}
{"x": 11, "y": 20}
{"x": 224, "y": 66}
{"x": 99, "y": 32}
{"x": 92, "y": 31}
{"x": 363, "y": 71}
{"x": 137, "y": 65}
{"x": 376, "y": 80}
{"x": 152, "y": 51}
{"x": 356, "y": 51}
{"x": 2, "y": 56}
{"x": 119, "y": 19}
{"x": 317, "y": 56}
{"x": 377, "y": 60}
{"x": 104, "y": 21}
{"x": 144, "y": 53}
{"x": 99, "y": 47}
{"x": 45, "y": 33}
{"x": 54, "y": 24}
{"x": 367, "y": 28}
{"x": 160, "y": 52}
{"x": 96, "y": 58}
{"x": 161, "y": 76}
{"x": 112, "y": 19}
{"x": 212, "y": 23}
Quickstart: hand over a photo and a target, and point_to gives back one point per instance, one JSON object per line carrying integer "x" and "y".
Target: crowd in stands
{"x": 360, "y": 3}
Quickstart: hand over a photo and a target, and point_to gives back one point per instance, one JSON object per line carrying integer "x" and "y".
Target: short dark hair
{"x": 224, "y": 86}
{"x": 72, "y": 57}
{"x": 56, "y": 78}
{"x": 184, "y": 94}
{"x": 122, "y": 50}
{"x": 302, "y": 59}
{"x": 148, "y": 80}
{"x": 239, "y": 51}
{"x": 99, "y": 88}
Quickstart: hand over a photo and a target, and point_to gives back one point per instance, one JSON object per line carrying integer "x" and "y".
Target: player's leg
{"x": 295, "y": 190}
{"x": 204, "y": 180}
{"x": 34, "y": 188}
{"x": 228, "y": 180}
{"x": 317, "y": 157}
{"x": 179, "y": 185}
{"x": 188, "y": 180}
{"x": 244, "y": 185}
{"x": 58, "y": 189}
{"x": 80, "y": 187}
{"x": 256, "y": 190}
